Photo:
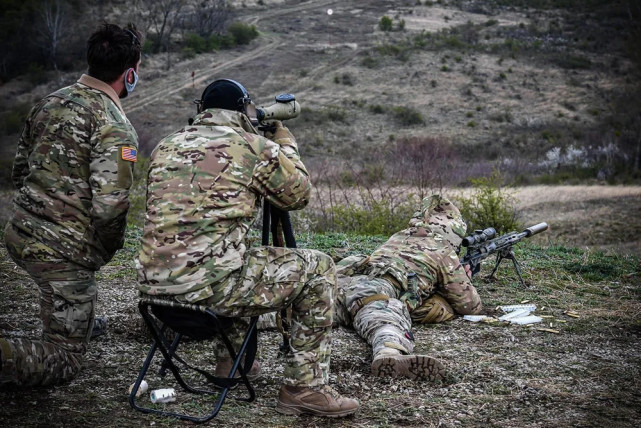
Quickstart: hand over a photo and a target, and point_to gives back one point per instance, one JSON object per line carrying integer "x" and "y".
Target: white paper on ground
{"x": 512, "y": 308}
{"x": 530, "y": 319}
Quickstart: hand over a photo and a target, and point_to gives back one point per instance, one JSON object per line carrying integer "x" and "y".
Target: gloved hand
{"x": 412, "y": 296}
{"x": 279, "y": 132}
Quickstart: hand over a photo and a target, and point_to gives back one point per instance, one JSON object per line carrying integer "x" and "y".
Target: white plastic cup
{"x": 141, "y": 389}
{"x": 166, "y": 395}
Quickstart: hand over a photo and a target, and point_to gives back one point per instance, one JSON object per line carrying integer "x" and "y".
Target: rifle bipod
{"x": 507, "y": 254}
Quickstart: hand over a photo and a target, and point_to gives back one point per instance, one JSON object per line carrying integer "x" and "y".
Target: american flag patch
{"x": 129, "y": 154}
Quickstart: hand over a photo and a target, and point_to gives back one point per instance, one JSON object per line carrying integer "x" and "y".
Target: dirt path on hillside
{"x": 177, "y": 83}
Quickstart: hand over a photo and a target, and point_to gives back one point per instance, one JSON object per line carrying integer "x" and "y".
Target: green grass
{"x": 584, "y": 273}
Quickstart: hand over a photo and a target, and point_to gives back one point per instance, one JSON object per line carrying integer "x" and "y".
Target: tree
{"x": 210, "y": 17}
{"x": 161, "y": 18}
{"x": 53, "y": 15}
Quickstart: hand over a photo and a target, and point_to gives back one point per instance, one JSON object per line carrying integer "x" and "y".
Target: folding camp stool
{"x": 167, "y": 318}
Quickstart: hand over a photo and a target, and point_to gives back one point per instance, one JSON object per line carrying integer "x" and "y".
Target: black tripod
{"x": 277, "y": 222}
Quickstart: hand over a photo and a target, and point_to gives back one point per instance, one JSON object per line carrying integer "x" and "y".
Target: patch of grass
{"x": 599, "y": 267}
{"x": 322, "y": 116}
{"x": 573, "y": 62}
{"x": 341, "y": 244}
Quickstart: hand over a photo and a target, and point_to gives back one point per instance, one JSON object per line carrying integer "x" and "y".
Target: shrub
{"x": 242, "y": 33}
{"x": 218, "y": 41}
{"x": 336, "y": 114}
{"x": 377, "y": 109}
{"x": 573, "y": 62}
{"x": 345, "y": 79}
{"x": 188, "y": 53}
{"x": 13, "y": 121}
{"x": 196, "y": 43}
{"x": 370, "y": 62}
{"x": 407, "y": 116}
{"x": 37, "y": 74}
{"x": 385, "y": 24}
{"x": 377, "y": 217}
{"x": 6, "y": 168}
{"x": 490, "y": 205}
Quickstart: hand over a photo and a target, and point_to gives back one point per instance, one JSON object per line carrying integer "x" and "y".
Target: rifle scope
{"x": 285, "y": 107}
{"x": 479, "y": 236}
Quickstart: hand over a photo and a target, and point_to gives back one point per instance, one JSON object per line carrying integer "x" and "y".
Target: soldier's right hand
{"x": 279, "y": 132}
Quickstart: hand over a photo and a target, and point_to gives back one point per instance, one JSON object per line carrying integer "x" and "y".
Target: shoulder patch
{"x": 129, "y": 154}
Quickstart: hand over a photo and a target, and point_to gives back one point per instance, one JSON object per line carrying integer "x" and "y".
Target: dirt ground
{"x": 580, "y": 372}
{"x": 585, "y": 375}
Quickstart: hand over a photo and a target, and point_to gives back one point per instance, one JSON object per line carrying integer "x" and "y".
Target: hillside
{"x": 542, "y": 91}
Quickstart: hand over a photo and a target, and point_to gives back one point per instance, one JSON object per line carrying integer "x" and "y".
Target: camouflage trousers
{"x": 274, "y": 278}
{"x": 371, "y": 306}
{"x": 379, "y": 312}
{"x": 67, "y": 300}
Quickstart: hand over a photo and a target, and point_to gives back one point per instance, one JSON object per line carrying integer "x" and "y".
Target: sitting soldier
{"x": 206, "y": 183}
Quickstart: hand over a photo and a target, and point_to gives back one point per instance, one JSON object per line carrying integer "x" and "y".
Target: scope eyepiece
{"x": 478, "y": 237}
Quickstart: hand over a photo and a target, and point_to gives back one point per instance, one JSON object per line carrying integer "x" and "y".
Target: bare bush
{"x": 208, "y": 17}
{"x": 371, "y": 195}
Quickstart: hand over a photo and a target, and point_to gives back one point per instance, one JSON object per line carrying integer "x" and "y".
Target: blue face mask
{"x": 130, "y": 86}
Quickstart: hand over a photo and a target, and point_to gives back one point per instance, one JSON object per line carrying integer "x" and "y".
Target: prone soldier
{"x": 414, "y": 277}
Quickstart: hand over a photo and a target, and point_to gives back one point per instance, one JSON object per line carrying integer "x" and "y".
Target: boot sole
{"x": 415, "y": 367}
{"x": 293, "y": 410}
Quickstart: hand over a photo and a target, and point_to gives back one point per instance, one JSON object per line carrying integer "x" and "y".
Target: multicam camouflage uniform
{"x": 415, "y": 276}
{"x": 69, "y": 219}
{"x": 205, "y": 187}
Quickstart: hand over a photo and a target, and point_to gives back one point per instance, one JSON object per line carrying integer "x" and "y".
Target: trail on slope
{"x": 176, "y": 83}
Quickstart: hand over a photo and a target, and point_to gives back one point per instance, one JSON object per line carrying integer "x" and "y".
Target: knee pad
{"x": 433, "y": 310}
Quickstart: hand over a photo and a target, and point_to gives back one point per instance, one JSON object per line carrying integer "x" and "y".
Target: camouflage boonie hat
{"x": 443, "y": 219}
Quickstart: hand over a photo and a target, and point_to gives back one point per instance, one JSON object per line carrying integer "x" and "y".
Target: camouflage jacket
{"x": 204, "y": 190}
{"x": 72, "y": 177}
{"x": 421, "y": 250}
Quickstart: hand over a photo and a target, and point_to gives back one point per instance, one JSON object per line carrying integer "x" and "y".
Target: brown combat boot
{"x": 416, "y": 367}
{"x": 223, "y": 367}
{"x": 318, "y": 401}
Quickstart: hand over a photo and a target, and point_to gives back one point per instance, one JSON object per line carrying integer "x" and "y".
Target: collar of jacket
{"x": 221, "y": 117}
{"x": 94, "y": 83}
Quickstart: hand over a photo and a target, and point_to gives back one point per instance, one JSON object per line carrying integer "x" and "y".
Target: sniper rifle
{"x": 483, "y": 243}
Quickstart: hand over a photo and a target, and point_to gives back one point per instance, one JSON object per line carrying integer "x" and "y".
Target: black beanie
{"x": 225, "y": 94}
